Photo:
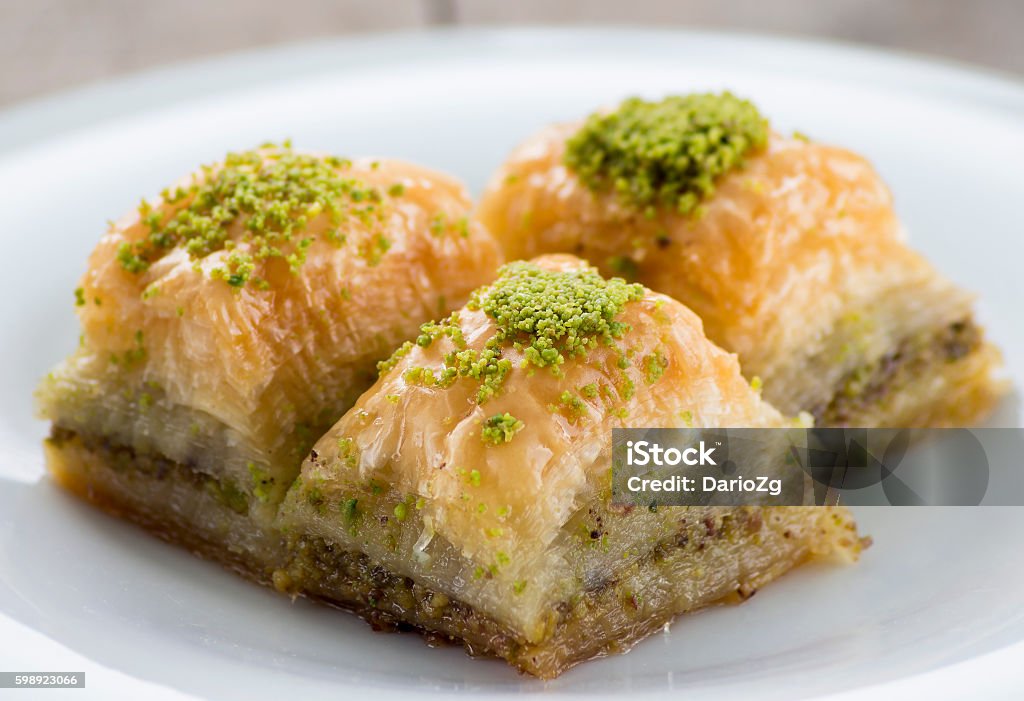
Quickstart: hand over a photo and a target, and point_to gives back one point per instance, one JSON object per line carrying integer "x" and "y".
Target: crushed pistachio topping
{"x": 500, "y": 428}
{"x": 667, "y": 152}
{"x": 574, "y": 406}
{"x": 440, "y": 225}
{"x": 549, "y": 316}
{"x": 654, "y": 367}
{"x": 262, "y": 482}
{"x": 264, "y": 198}
{"x": 348, "y": 454}
{"x": 349, "y": 509}
{"x": 553, "y": 316}
{"x": 131, "y": 356}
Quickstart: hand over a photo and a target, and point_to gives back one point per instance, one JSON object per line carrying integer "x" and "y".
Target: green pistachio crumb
{"x": 385, "y": 366}
{"x": 401, "y": 511}
{"x": 654, "y": 367}
{"x": 668, "y": 152}
{"x": 627, "y": 390}
{"x": 268, "y": 194}
{"x": 438, "y": 224}
{"x": 374, "y": 251}
{"x": 262, "y": 482}
{"x": 551, "y": 316}
{"x": 349, "y": 510}
{"x": 561, "y": 314}
{"x": 132, "y": 356}
{"x": 314, "y": 497}
{"x": 228, "y": 494}
{"x": 575, "y": 406}
{"x": 500, "y": 428}
{"x": 79, "y": 297}
{"x": 348, "y": 454}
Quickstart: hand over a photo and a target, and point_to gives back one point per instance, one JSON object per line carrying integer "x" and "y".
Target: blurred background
{"x": 47, "y": 45}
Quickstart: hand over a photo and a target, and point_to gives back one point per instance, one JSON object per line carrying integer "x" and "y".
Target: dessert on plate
{"x": 468, "y": 492}
{"x": 313, "y": 371}
{"x": 789, "y": 250}
{"x": 227, "y": 324}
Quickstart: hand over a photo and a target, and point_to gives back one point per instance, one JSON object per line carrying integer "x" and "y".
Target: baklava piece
{"x": 788, "y": 249}
{"x": 229, "y": 323}
{"x": 468, "y": 493}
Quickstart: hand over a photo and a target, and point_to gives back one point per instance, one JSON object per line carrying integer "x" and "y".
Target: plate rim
{"x": 31, "y": 123}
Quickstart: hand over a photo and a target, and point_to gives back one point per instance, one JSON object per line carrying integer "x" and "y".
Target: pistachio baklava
{"x": 467, "y": 494}
{"x": 788, "y": 249}
{"x": 230, "y": 322}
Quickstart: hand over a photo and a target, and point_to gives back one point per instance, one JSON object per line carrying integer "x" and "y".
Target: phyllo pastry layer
{"x": 789, "y": 250}
{"x": 468, "y": 492}
{"x": 227, "y": 324}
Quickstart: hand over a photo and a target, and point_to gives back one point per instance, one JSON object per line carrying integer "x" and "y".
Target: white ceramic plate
{"x": 936, "y": 606}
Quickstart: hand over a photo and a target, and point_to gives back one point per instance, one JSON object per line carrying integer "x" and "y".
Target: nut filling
{"x": 635, "y": 600}
{"x": 866, "y": 386}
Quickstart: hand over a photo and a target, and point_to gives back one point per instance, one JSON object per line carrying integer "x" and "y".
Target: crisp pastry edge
{"x": 311, "y": 568}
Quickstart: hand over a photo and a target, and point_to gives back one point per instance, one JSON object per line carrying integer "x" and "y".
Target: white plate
{"x": 936, "y": 606}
